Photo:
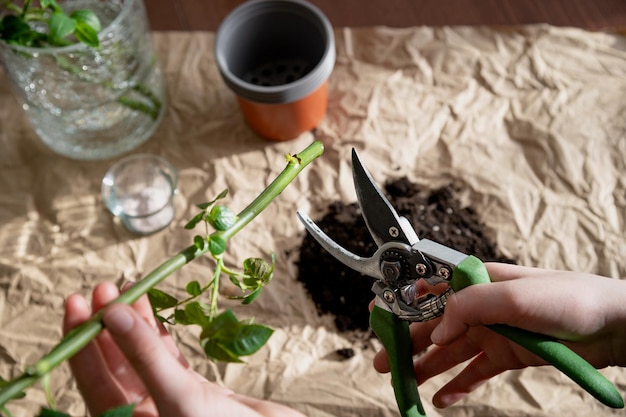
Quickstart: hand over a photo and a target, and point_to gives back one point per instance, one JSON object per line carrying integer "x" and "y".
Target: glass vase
{"x": 92, "y": 103}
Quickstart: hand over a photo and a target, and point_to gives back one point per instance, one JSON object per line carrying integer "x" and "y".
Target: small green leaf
{"x": 162, "y": 319}
{"x": 221, "y": 195}
{"x": 86, "y": 34}
{"x": 161, "y": 300}
{"x": 252, "y": 296}
{"x": 61, "y": 26}
{"x": 221, "y": 217}
{"x": 199, "y": 242}
{"x": 193, "y": 288}
{"x": 217, "y": 245}
{"x": 123, "y": 411}
{"x": 194, "y": 313}
{"x": 50, "y": 3}
{"x": 180, "y": 317}
{"x": 194, "y": 221}
{"x": 46, "y": 412}
{"x": 236, "y": 281}
{"x": 259, "y": 269}
{"x": 87, "y": 17}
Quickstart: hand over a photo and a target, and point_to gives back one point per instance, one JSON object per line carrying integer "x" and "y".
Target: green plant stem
{"x": 82, "y": 335}
{"x": 219, "y": 262}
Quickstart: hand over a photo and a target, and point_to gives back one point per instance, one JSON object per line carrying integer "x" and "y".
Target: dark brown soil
{"x": 435, "y": 214}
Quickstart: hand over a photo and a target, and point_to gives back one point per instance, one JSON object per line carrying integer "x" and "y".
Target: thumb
{"x": 160, "y": 371}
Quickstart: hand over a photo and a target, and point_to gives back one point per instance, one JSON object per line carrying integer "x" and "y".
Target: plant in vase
{"x": 224, "y": 337}
{"x": 85, "y": 72}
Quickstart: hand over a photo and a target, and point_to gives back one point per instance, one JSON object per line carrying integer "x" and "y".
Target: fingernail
{"x": 436, "y": 336}
{"x": 117, "y": 319}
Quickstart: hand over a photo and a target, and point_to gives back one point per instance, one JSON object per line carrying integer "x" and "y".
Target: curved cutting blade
{"x": 366, "y": 266}
{"x": 381, "y": 218}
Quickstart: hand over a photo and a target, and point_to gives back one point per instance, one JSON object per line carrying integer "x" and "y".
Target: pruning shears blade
{"x": 366, "y": 266}
{"x": 382, "y": 220}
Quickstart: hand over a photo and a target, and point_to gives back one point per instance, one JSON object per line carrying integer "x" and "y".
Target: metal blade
{"x": 381, "y": 218}
{"x": 366, "y": 266}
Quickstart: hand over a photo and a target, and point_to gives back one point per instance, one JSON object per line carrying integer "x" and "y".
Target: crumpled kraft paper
{"x": 530, "y": 120}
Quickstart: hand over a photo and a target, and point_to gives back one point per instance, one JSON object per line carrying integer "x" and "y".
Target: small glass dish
{"x": 139, "y": 190}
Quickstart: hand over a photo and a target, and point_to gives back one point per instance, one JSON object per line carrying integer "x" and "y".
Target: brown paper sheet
{"x": 531, "y": 120}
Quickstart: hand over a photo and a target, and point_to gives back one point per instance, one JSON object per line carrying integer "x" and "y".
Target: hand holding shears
{"x": 414, "y": 278}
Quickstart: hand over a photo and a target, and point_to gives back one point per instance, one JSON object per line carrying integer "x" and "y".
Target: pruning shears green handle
{"x": 408, "y": 273}
{"x": 393, "y": 333}
{"x": 472, "y": 271}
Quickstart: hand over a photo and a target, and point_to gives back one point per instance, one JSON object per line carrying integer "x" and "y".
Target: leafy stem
{"x": 245, "y": 336}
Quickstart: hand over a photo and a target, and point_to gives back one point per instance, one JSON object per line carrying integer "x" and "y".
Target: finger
{"x": 161, "y": 372}
{"x": 143, "y": 307}
{"x": 117, "y": 364}
{"x": 88, "y": 366}
{"x": 479, "y": 371}
{"x": 420, "y": 340}
{"x": 481, "y": 304}
{"x": 506, "y": 272}
{"x": 440, "y": 359}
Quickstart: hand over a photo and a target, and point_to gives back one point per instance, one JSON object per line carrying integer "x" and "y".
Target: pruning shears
{"x": 414, "y": 279}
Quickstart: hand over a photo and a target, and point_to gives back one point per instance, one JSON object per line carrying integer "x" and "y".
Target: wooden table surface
{"x": 188, "y": 15}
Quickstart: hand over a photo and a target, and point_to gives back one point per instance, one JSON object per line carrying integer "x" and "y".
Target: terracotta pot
{"x": 276, "y": 56}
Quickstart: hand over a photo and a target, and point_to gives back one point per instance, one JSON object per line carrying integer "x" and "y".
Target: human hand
{"x": 135, "y": 360}
{"x": 586, "y": 312}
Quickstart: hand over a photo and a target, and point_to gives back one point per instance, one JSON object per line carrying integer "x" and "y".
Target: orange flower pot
{"x": 276, "y": 56}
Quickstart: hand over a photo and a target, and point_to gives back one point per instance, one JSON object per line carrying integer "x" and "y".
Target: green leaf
{"x": 87, "y": 35}
{"x": 46, "y": 412}
{"x": 259, "y": 269}
{"x": 199, "y": 242}
{"x": 123, "y": 411}
{"x": 163, "y": 319}
{"x": 221, "y": 195}
{"x": 194, "y": 221}
{"x": 251, "y": 338}
{"x": 236, "y": 281}
{"x": 50, "y": 3}
{"x": 252, "y": 296}
{"x": 215, "y": 351}
{"x": 87, "y": 27}
{"x": 61, "y": 26}
{"x": 221, "y": 217}
{"x": 12, "y": 27}
{"x": 226, "y": 339}
{"x": 161, "y": 300}
{"x": 226, "y": 321}
{"x": 88, "y": 18}
{"x": 217, "y": 245}
{"x": 180, "y": 317}
{"x": 194, "y": 313}
{"x": 193, "y": 288}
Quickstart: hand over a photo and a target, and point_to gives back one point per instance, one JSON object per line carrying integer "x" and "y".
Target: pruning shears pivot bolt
{"x": 444, "y": 273}
{"x": 389, "y": 296}
{"x": 391, "y": 270}
{"x": 421, "y": 269}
